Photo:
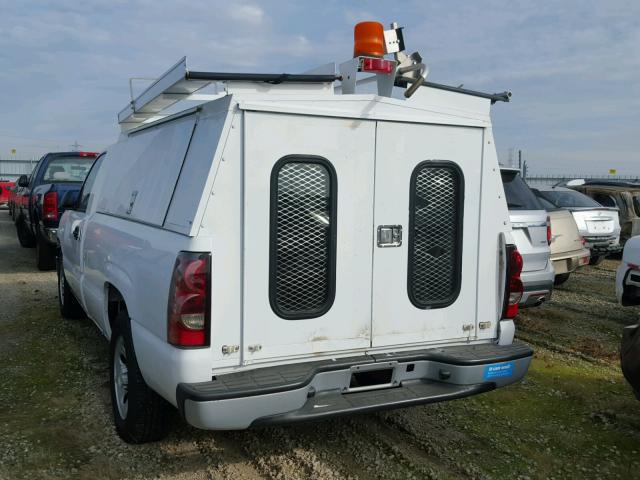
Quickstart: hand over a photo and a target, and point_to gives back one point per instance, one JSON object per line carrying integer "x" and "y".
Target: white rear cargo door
{"x": 427, "y": 195}
{"x": 308, "y": 212}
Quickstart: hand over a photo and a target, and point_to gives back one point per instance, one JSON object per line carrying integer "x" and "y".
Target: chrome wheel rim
{"x": 121, "y": 377}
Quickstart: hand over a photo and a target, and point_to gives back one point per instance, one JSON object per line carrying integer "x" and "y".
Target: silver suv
{"x": 532, "y": 234}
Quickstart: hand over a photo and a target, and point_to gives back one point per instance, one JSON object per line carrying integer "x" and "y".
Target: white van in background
{"x": 284, "y": 251}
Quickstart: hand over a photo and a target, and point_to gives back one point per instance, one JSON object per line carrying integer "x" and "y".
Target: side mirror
{"x": 23, "y": 181}
{"x": 70, "y": 200}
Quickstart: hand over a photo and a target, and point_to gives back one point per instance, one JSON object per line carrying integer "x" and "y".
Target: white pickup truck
{"x": 292, "y": 248}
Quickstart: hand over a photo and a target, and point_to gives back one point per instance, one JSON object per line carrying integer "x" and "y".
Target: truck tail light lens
{"x": 548, "y": 231}
{"x": 188, "y": 312}
{"x": 50, "y": 206}
{"x": 514, "y": 288}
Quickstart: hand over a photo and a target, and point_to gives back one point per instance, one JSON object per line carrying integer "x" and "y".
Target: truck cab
{"x": 292, "y": 248}
{"x": 37, "y": 212}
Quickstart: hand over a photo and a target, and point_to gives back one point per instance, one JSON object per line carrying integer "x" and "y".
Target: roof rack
{"x": 407, "y": 71}
{"x": 494, "y": 97}
{"x": 178, "y": 83}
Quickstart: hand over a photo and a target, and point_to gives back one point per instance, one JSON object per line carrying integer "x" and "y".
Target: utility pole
{"x": 520, "y": 160}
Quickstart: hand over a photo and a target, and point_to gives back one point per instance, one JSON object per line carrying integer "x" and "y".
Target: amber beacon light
{"x": 368, "y": 38}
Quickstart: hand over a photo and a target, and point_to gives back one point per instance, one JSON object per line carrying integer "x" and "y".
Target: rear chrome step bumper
{"x": 317, "y": 390}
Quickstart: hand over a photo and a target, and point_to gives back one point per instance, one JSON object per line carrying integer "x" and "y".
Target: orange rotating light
{"x": 368, "y": 39}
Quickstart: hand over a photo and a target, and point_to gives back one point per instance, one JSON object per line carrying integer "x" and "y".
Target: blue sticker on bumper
{"x": 498, "y": 370}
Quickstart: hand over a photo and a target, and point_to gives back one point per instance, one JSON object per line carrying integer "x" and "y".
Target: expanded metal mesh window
{"x": 435, "y": 234}
{"x": 303, "y": 220}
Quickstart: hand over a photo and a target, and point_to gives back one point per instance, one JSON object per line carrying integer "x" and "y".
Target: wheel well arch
{"x": 115, "y": 303}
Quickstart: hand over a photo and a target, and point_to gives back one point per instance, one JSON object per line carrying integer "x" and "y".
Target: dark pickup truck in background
{"x": 38, "y": 210}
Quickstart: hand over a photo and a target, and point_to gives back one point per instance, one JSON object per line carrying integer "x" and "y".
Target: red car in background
{"x": 5, "y": 188}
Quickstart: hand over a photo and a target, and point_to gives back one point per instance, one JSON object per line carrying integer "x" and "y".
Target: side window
{"x": 34, "y": 173}
{"x": 87, "y": 187}
{"x": 303, "y": 237}
{"x": 435, "y": 234}
{"x": 605, "y": 200}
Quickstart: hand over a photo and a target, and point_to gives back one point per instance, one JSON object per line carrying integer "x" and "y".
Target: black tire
{"x": 67, "y": 301}
{"x": 560, "y": 279}
{"x": 45, "y": 254}
{"x": 147, "y": 414}
{"x": 24, "y": 235}
{"x": 596, "y": 260}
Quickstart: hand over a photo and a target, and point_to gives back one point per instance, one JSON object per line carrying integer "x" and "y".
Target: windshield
{"x": 570, "y": 199}
{"x": 68, "y": 169}
{"x": 519, "y": 195}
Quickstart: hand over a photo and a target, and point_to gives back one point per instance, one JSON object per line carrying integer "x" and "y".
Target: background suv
{"x": 532, "y": 235}
{"x": 598, "y": 225}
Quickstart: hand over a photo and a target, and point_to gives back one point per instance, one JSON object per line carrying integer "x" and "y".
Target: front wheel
{"x": 67, "y": 302}
{"x": 140, "y": 414}
{"x": 560, "y": 279}
{"x": 24, "y": 235}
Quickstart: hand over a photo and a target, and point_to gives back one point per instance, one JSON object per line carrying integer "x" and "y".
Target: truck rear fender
{"x": 117, "y": 281}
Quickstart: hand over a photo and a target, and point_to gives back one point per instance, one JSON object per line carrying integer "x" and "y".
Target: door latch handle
{"x": 389, "y": 236}
{"x": 76, "y": 232}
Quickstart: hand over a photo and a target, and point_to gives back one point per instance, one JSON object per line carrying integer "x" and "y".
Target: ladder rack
{"x": 178, "y": 83}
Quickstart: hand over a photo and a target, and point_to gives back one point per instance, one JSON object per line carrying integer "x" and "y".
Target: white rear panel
{"x": 400, "y": 149}
{"x": 349, "y": 146}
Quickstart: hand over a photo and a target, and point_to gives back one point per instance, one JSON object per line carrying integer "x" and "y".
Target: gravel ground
{"x": 572, "y": 417}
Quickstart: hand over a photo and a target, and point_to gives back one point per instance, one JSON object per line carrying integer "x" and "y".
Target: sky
{"x": 573, "y": 66}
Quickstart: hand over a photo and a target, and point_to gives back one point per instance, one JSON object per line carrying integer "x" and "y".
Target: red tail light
{"x": 548, "y": 231}
{"x": 50, "y": 206}
{"x": 377, "y": 65}
{"x": 189, "y": 301}
{"x": 88, "y": 154}
{"x": 514, "y": 288}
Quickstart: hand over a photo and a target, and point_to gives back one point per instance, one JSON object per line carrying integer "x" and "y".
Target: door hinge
{"x": 254, "y": 348}
{"x": 468, "y": 327}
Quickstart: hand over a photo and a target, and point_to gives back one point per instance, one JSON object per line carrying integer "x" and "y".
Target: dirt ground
{"x": 572, "y": 417}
